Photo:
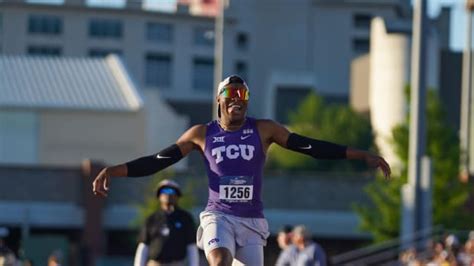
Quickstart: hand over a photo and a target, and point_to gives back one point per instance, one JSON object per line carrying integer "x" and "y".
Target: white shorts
{"x": 219, "y": 230}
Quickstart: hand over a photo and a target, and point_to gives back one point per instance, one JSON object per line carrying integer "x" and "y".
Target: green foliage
{"x": 334, "y": 123}
{"x": 152, "y": 204}
{"x": 382, "y": 219}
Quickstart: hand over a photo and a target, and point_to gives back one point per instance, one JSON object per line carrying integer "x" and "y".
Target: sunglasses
{"x": 168, "y": 191}
{"x": 240, "y": 93}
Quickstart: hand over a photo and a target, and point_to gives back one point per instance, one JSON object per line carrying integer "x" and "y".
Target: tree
{"x": 313, "y": 118}
{"x": 382, "y": 218}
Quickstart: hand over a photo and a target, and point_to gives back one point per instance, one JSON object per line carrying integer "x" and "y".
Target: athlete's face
{"x": 233, "y": 103}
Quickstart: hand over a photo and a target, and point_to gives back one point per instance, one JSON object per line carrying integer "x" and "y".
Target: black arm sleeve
{"x": 149, "y": 165}
{"x": 316, "y": 148}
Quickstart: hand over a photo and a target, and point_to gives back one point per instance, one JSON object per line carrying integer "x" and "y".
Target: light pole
{"x": 412, "y": 192}
{"x": 465, "y": 132}
{"x": 418, "y": 103}
{"x": 218, "y": 48}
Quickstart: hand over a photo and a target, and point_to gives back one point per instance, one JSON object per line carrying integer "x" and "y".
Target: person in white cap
{"x": 168, "y": 237}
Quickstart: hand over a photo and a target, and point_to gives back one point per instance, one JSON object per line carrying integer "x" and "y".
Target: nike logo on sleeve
{"x": 162, "y": 157}
{"x": 307, "y": 147}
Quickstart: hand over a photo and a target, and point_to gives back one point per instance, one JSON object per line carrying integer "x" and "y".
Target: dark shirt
{"x": 168, "y": 235}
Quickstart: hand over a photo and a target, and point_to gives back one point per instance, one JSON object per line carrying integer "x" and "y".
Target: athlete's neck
{"x": 228, "y": 125}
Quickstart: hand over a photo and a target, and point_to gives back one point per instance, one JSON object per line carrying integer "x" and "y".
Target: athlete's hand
{"x": 100, "y": 186}
{"x": 376, "y": 161}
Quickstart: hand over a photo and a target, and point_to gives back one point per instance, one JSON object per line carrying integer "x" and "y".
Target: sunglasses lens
{"x": 232, "y": 92}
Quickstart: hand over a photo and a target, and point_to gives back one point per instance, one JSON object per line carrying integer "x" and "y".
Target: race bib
{"x": 236, "y": 188}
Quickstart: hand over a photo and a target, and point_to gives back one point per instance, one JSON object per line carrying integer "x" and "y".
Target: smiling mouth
{"x": 234, "y": 108}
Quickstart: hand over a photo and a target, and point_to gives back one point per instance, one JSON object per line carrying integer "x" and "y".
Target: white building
{"x": 62, "y": 110}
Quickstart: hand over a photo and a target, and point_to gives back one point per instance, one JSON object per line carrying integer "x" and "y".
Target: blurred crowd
{"x": 448, "y": 251}
{"x": 8, "y": 258}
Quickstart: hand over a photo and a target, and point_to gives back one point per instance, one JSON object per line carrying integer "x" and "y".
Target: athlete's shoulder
{"x": 266, "y": 124}
{"x": 198, "y": 130}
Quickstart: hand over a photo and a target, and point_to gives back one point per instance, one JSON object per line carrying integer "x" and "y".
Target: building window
{"x": 361, "y": 45}
{"x": 101, "y": 52}
{"x": 159, "y": 32}
{"x": 42, "y": 24}
{"x": 105, "y": 28}
{"x": 362, "y": 21}
{"x": 203, "y": 74}
{"x": 44, "y": 50}
{"x": 241, "y": 69}
{"x": 158, "y": 70}
{"x": 204, "y": 36}
{"x": 288, "y": 99}
{"x": 242, "y": 41}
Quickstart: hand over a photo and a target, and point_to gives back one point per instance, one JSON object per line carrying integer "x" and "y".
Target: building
{"x": 283, "y": 56}
{"x": 301, "y": 46}
{"x": 167, "y": 52}
{"x": 62, "y": 110}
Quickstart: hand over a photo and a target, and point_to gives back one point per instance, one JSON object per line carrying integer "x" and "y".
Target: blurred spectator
{"x": 304, "y": 251}
{"x": 287, "y": 248}
{"x": 27, "y": 262}
{"x": 448, "y": 252}
{"x": 168, "y": 237}
{"x": 409, "y": 257}
{"x": 7, "y": 257}
{"x": 284, "y": 236}
{"x": 466, "y": 256}
{"x": 55, "y": 259}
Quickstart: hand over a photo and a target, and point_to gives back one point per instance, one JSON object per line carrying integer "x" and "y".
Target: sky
{"x": 458, "y": 19}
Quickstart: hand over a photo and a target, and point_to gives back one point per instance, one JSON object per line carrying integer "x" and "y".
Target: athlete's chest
{"x": 243, "y": 145}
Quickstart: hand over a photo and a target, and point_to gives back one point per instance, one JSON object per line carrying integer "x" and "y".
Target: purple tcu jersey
{"x": 234, "y": 162}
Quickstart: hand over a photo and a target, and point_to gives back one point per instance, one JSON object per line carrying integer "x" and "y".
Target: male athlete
{"x": 232, "y": 228}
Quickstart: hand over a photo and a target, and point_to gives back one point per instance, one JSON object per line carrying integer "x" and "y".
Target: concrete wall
{"x": 68, "y": 137}
{"x": 18, "y": 137}
{"x": 360, "y": 73}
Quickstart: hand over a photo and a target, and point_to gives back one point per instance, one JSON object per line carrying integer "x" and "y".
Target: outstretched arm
{"x": 148, "y": 165}
{"x": 275, "y": 133}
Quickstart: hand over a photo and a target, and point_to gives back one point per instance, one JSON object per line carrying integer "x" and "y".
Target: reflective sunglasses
{"x": 241, "y": 93}
{"x": 168, "y": 191}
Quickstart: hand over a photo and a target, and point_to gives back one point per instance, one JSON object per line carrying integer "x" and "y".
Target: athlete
{"x": 233, "y": 230}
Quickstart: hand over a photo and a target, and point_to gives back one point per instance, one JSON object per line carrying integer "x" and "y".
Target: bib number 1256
{"x": 235, "y": 192}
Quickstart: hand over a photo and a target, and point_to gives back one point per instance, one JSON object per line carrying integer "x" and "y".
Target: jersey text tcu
{"x": 233, "y": 152}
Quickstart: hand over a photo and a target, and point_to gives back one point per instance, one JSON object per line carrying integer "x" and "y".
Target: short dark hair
{"x": 236, "y": 79}
{"x": 286, "y": 229}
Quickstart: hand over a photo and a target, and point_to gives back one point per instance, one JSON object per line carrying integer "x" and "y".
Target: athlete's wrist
{"x": 115, "y": 171}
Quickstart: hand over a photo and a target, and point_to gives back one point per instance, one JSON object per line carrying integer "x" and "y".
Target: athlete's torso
{"x": 234, "y": 162}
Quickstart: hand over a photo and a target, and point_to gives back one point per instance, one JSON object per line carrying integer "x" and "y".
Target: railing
{"x": 387, "y": 253}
